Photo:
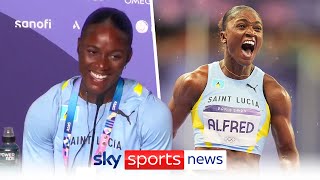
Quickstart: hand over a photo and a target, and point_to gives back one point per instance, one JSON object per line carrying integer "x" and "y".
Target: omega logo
{"x": 141, "y": 2}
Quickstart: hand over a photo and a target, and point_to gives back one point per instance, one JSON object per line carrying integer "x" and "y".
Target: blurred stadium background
{"x": 187, "y": 37}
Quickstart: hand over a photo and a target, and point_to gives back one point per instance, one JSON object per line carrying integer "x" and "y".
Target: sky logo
{"x": 106, "y": 160}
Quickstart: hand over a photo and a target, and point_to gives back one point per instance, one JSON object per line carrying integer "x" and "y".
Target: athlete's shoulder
{"x": 155, "y": 114}
{"x": 154, "y": 124}
{"x": 273, "y": 90}
{"x": 189, "y": 86}
{"x": 134, "y": 89}
{"x": 192, "y": 82}
{"x": 194, "y": 78}
{"x": 271, "y": 85}
{"x": 197, "y": 79}
{"x": 42, "y": 113}
{"x": 154, "y": 104}
{"x": 133, "y": 95}
{"x": 136, "y": 92}
{"x": 52, "y": 96}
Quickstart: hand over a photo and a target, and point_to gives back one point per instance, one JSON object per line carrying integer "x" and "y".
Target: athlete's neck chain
{"x": 239, "y": 76}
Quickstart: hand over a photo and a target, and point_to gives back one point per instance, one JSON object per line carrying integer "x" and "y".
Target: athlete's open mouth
{"x": 248, "y": 47}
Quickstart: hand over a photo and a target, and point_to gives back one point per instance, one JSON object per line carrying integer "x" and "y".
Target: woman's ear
{"x": 223, "y": 37}
{"x": 129, "y": 55}
{"x": 78, "y": 45}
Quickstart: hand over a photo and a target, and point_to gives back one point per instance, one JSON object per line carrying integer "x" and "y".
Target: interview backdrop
{"x": 38, "y": 43}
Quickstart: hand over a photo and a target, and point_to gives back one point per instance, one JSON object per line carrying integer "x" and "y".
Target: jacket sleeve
{"x": 38, "y": 136}
{"x": 156, "y": 127}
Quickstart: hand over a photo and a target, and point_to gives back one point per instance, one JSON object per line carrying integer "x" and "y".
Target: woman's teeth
{"x": 98, "y": 76}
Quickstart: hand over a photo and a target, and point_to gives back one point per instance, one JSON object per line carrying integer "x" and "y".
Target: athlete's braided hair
{"x": 230, "y": 14}
{"x": 118, "y": 18}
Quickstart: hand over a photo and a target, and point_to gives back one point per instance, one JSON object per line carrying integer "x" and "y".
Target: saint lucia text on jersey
{"x": 79, "y": 140}
{"x": 240, "y": 100}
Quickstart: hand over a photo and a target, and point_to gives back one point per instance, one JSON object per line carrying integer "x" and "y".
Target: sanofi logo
{"x": 140, "y": 2}
{"x": 45, "y": 24}
{"x": 106, "y": 160}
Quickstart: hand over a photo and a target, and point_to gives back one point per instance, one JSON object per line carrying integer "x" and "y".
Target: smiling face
{"x": 103, "y": 53}
{"x": 243, "y": 36}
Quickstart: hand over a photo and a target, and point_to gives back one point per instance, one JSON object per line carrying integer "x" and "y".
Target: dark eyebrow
{"x": 245, "y": 20}
{"x": 97, "y": 48}
{"x": 87, "y": 45}
{"x": 90, "y": 46}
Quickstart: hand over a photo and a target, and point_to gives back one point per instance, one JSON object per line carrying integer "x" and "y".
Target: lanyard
{"x": 105, "y": 136}
{"x": 69, "y": 121}
{"x": 108, "y": 125}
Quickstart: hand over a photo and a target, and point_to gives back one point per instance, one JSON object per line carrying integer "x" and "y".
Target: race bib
{"x": 231, "y": 126}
